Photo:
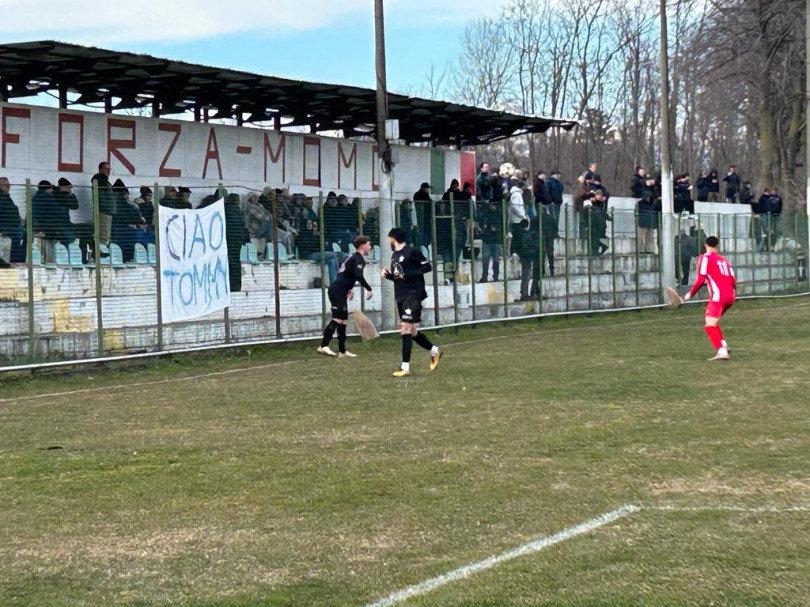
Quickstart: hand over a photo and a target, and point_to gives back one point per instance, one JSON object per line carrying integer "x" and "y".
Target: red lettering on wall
{"x": 375, "y": 161}
{"x": 315, "y": 178}
{"x": 212, "y": 153}
{"x": 347, "y": 163}
{"x": 280, "y": 151}
{"x": 12, "y": 112}
{"x": 114, "y": 146}
{"x": 165, "y": 171}
{"x": 70, "y": 167}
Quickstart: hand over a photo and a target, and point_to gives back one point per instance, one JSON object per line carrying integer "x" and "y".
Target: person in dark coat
{"x": 11, "y": 225}
{"x": 682, "y": 198}
{"x": 638, "y": 182}
{"x": 770, "y": 210}
{"x": 685, "y": 250}
{"x": 234, "y": 237}
{"x": 524, "y": 243}
{"x": 649, "y": 207}
{"x": 424, "y": 211}
{"x": 68, "y": 202}
{"x": 702, "y": 186}
{"x": 106, "y": 202}
{"x": 49, "y": 216}
{"x": 714, "y": 186}
{"x": 126, "y": 221}
{"x": 732, "y": 184}
{"x": 548, "y": 229}
{"x": 491, "y": 222}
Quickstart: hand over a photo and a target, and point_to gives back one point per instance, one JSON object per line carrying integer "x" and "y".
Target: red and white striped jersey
{"x": 715, "y": 270}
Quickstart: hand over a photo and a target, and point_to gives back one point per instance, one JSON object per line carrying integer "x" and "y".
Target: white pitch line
{"x": 530, "y": 548}
{"x": 726, "y": 508}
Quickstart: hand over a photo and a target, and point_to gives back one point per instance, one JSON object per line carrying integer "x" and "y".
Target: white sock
{"x": 722, "y": 351}
{"x": 724, "y": 343}
{"x": 405, "y": 366}
{"x": 434, "y": 350}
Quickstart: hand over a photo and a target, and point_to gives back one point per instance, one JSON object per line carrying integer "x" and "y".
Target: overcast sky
{"x": 321, "y": 40}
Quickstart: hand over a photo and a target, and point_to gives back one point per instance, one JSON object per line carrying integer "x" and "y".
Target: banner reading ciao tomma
{"x": 193, "y": 262}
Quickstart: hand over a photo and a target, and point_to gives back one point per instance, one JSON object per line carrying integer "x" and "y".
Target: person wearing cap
{"x": 106, "y": 201}
{"x": 66, "y": 201}
{"x": 146, "y": 205}
{"x": 423, "y": 205}
{"x": 48, "y": 215}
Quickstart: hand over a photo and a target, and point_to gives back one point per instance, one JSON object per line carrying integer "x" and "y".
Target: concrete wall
{"x": 65, "y": 316}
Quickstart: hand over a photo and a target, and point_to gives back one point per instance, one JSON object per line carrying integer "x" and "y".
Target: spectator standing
{"x": 638, "y": 182}
{"x": 66, "y": 202}
{"x": 525, "y": 246}
{"x": 48, "y": 216}
{"x": 235, "y": 238}
{"x": 496, "y": 185}
{"x": 458, "y": 211}
{"x": 106, "y": 202}
{"x": 685, "y": 250}
{"x": 491, "y": 222}
{"x": 483, "y": 185}
{"x": 424, "y": 211}
{"x": 702, "y": 186}
{"x": 556, "y": 188}
{"x": 11, "y": 225}
{"x": 771, "y": 209}
{"x": 582, "y": 194}
{"x": 408, "y": 222}
{"x": 548, "y": 231}
{"x": 648, "y": 209}
{"x": 714, "y": 186}
{"x": 592, "y": 178}
{"x": 683, "y": 195}
{"x": 755, "y": 230}
{"x": 732, "y": 184}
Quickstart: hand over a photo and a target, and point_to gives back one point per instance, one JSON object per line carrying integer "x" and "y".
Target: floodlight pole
{"x": 666, "y": 239}
{"x": 386, "y": 175}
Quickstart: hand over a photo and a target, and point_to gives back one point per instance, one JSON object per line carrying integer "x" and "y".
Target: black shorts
{"x": 410, "y": 309}
{"x": 338, "y": 298}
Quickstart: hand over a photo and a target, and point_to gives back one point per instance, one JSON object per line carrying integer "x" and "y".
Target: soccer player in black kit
{"x": 340, "y": 292}
{"x": 408, "y": 269}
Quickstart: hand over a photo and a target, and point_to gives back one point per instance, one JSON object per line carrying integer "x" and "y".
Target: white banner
{"x": 193, "y": 262}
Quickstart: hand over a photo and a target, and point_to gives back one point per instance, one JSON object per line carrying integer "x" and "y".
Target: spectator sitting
{"x": 146, "y": 205}
{"x": 48, "y": 216}
{"x": 638, "y": 182}
{"x": 67, "y": 202}
{"x": 702, "y": 186}
{"x": 258, "y": 220}
{"x": 128, "y": 226}
{"x": 11, "y": 225}
{"x": 308, "y": 245}
{"x": 170, "y": 199}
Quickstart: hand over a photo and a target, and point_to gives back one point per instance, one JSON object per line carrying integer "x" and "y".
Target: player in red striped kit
{"x": 717, "y": 273}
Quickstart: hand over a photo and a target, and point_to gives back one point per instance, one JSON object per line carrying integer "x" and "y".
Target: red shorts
{"x": 715, "y": 309}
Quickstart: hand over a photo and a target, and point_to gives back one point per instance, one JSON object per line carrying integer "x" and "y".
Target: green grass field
{"x": 282, "y": 478}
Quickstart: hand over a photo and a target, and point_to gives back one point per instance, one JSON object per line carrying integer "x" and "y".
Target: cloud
{"x": 94, "y": 22}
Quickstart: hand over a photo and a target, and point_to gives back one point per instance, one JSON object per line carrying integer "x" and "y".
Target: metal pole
{"x": 29, "y": 231}
{"x": 321, "y": 244}
{"x": 506, "y": 258}
{"x": 276, "y": 285}
{"x": 471, "y": 236}
{"x": 636, "y": 218}
{"x": 667, "y": 269}
{"x": 360, "y": 231}
{"x": 567, "y": 260}
{"x": 613, "y": 257}
{"x": 97, "y": 253}
{"x": 226, "y": 314}
{"x": 159, "y": 288}
{"x": 455, "y": 255}
{"x": 434, "y": 262}
{"x": 590, "y": 252}
{"x": 386, "y": 186}
{"x": 541, "y": 266}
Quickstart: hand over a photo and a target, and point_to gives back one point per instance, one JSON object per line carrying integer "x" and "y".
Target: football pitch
{"x": 589, "y": 461}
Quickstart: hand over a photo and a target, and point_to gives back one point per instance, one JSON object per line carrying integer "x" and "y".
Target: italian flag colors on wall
{"x": 446, "y": 165}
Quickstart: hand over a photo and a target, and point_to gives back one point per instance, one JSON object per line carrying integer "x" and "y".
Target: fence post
{"x": 434, "y": 262}
{"x": 276, "y": 282}
{"x": 226, "y": 316}
{"x": 29, "y": 231}
{"x": 97, "y": 254}
{"x": 159, "y": 288}
{"x": 770, "y": 254}
{"x": 541, "y": 265}
{"x": 636, "y": 228}
{"x": 471, "y": 236}
{"x": 661, "y": 256}
{"x": 589, "y": 251}
{"x": 360, "y": 231}
{"x": 506, "y": 258}
{"x": 321, "y": 245}
{"x": 613, "y": 255}
{"x": 566, "y": 235}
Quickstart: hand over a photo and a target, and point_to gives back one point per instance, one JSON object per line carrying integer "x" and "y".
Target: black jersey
{"x": 351, "y": 272}
{"x": 408, "y": 269}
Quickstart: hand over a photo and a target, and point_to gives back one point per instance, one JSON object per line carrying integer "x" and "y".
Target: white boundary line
{"x": 532, "y": 547}
{"x": 566, "y": 534}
